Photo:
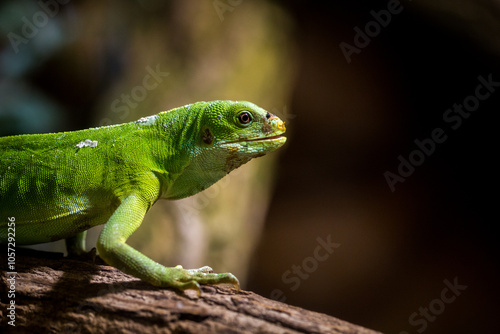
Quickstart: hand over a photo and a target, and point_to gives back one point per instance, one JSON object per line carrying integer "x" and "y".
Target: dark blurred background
{"x": 356, "y": 94}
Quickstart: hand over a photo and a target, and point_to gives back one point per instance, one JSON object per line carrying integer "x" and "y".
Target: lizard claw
{"x": 205, "y": 270}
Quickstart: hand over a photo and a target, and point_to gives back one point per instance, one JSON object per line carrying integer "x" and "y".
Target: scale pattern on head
{"x": 227, "y": 135}
{"x": 234, "y": 132}
{"x": 239, "y": 121}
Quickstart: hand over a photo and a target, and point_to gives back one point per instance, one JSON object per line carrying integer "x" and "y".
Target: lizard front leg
{"x": 76, "y": 245}
{"x": 113, "y": 249}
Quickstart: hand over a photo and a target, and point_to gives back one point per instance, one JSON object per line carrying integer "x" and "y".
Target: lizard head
{"x": 226, "y": 135}
{"x": 234, "y": 132}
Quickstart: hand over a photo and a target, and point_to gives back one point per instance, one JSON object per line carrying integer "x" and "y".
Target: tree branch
{"x": 71, "y": 296}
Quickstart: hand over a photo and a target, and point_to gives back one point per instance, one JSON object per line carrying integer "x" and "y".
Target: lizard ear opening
{"x": 207, "y": 136}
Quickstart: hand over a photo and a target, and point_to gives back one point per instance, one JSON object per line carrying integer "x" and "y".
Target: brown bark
{"x": 65, "y": 295}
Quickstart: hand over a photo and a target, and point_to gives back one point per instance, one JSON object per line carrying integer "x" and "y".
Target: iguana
{"x": 57, "y": 185}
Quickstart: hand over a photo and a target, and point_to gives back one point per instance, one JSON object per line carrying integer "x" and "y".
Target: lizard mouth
{"x": 261, "y": 139}
{"x": 265, "y": 138}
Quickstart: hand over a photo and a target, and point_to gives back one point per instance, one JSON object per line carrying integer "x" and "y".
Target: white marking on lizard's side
{"x": 87, "y": 143}
{"x": 74, "y": 204}
{"x": 147, "y": 120}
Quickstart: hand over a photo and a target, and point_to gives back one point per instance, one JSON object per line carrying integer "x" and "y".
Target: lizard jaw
{"x": 277, "y": 137}
{"x": 271, "y": 138}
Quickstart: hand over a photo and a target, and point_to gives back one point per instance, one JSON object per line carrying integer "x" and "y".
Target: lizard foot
{"x": 184, "y": 279}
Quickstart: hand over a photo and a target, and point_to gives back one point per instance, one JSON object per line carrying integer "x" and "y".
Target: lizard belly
{"x": 41, "y": 223}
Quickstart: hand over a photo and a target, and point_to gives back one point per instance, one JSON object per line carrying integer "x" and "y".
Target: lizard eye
{"x": 245, "y": 118}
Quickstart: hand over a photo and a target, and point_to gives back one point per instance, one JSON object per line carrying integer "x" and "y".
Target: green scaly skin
{"x": 58, "y": 185}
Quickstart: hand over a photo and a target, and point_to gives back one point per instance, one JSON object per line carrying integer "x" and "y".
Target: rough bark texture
{"x": 54, "y": 295}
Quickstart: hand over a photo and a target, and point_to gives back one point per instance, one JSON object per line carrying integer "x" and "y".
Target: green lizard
{"x": 57, "y": 185}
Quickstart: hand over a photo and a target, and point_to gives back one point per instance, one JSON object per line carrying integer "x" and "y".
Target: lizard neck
{"x": 175, "y": 152}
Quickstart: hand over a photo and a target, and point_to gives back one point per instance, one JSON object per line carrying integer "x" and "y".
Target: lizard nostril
{"x": 268, "y": 115}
